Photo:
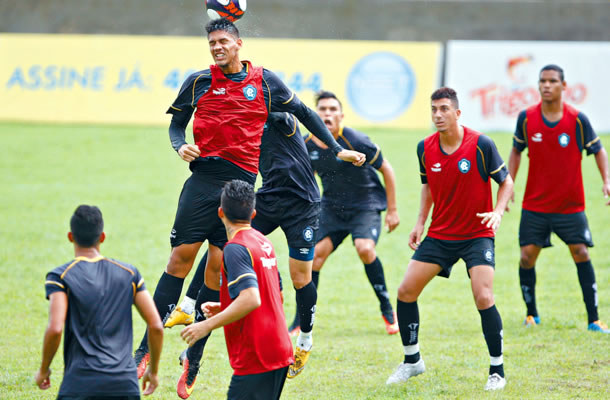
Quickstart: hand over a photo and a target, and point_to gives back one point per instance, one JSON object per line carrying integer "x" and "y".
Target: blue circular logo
{"x": 464, "y": 165}
{"x": 564, "y": 140}
{"x": 308, "y": 234}
{"x": 250, "y": 92}
{"x": 380, "y": 86}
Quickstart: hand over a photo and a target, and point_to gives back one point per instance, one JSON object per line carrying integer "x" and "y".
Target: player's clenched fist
{"x": 189, "y": 152}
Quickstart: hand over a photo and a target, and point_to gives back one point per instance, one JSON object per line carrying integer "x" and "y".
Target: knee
{"x": 527, "y": 260}
{"x": 407, "y": 293}
{"x": 366, "y": 252}
{"x": 580, "y": 253}
{"x": 484, "y": 299}
{"x": 300, "y": 279}
{"x": 179, "y": 264}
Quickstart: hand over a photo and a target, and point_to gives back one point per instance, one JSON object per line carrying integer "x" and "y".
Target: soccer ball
{"x": 229, "y": 9}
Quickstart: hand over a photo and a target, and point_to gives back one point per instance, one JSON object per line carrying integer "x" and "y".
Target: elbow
{"x": 55, "y": 329}
{"x": 255, "y": 301}
{"x": 156, "y": 328}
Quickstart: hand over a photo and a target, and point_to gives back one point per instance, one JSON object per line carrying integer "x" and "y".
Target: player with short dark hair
{"x": 250, "y": 307}
{"x": 456, "y": 164}
{"x": 230, "y": 102}
{"x": 556, "y": 134}
{"x": 352, "y": 201}
{"x": 288, "y": 198}
{"x": 92, "y": 297}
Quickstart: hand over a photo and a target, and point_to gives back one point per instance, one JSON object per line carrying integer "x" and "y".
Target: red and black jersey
{"x": 460, "y": 185}
{"x": 554, "y": 183}
{"x": 229, "y": 118}
{"x": 259, "y": 342}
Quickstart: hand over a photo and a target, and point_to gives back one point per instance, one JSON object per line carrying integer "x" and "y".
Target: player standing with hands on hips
{"x": 456, "y": 164}
{"x": 554, "y": 200}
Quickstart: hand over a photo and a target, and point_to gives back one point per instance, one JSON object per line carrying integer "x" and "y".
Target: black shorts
{"x": 361, "y": 224}
{"x": 297, "y": 217}
{"x": 478, "y": 251}
{"x": 535, "y": 228}
{"x": 197, "y": 215}
{"x": 265, "y": 386}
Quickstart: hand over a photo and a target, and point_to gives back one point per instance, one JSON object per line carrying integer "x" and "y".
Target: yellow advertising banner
{"x": 134, "y": 79}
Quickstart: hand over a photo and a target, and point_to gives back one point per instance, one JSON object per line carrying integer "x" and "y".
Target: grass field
{"x": 132, "y": 174}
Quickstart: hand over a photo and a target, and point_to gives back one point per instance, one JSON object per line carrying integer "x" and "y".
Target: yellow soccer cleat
{"x": 300, "y": 359}
{"x": 179, "y": 317}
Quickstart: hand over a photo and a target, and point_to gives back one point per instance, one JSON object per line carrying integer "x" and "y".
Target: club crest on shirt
{"x": 464, "y": 165}
{"x": 308, "y": 234}
{"x": 564, "y": 140}
{"x": 250, "y": 92}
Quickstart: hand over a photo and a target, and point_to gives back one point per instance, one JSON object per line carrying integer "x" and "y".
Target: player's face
{"x": 444, "y": 114}
{"x": 224, "y": 48}
{"x": 330, "y": 112}
{"x": 550, "y": 86}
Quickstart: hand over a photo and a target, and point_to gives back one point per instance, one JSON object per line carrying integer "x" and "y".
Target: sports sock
{"x": 167, "y": 294}
{"x": 315, "y": 278}
{"x": 586, "y": 277}
{"x": 408, "y": 322}
{"x": 198, "y": 278}
{"x": 195, "y": 352}
{"x": 374, "y": 271}
{"x": 306, "y": 297}
{"x": 492, "y": 330}
{"x": 305, "y": 340}
{"x": 527, "y": 279}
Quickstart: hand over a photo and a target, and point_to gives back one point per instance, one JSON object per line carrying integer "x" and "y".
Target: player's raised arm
{"x": 284, "y": 99}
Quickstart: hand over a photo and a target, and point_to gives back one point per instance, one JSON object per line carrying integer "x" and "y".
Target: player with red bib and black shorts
{"x": 250, "y": 307}
{"x": 231, "y": 102}
{"x": 556, "y": 134}
{"x": 456, "y": 164}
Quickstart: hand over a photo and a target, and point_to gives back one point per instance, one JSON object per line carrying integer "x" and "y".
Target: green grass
{"x": 135, "y": 178}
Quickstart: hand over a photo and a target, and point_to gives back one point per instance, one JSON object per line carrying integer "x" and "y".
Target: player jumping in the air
{"x": 352, "y": 201}
{"x": 231, "y": 102}
{"x": 554, "y": 200}
{"x": 456, "y": 164}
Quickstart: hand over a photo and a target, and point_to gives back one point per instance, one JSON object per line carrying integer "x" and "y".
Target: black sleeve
{"x": 182, "y": 108}
{"x": 54, "y": 283}
{"x": 489, "y": 161}
{"x": 591, "y": 143}
{"x": 239, "y": 268}
{"x": 519, "y": 139}
{"x": 284, "y": 99}
{"x": 422, "y": 162}
{"x": 372, "y": 152}
{"x": 177, "y": 130}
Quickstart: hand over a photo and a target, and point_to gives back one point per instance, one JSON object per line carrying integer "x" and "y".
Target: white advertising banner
{"x": 497, "y": 79}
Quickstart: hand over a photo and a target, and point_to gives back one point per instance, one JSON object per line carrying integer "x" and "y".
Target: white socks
{"x": 305, "y": 340}
{"x": 187, "y": 305}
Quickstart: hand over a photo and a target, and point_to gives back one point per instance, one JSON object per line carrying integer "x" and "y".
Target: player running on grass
{"x": 352, "y": 201}
{"x": 554, "y": 200}
{"x": 231, "y": 102}
{"x": 456, "y": 164}
{"x": 93, "y": 296}
{"x": 250, "y": 307}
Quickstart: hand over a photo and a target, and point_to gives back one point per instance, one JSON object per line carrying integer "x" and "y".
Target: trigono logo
{"x": 464, "y": 165}
{"x": 314, "y": 155}
{"x": 374, "y": 232}
{"x": 564, "y": 140}
{"x": 250, "y": 92}
{"x": 537, "y": 137}
{"x": 172, "y": 234}
{"x": 436, "y": 167}
{"x": 308, "y": 234}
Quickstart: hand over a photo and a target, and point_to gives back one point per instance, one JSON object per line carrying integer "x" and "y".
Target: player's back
{"x": 98, "y": 332}
{"x": 284, "y": 162}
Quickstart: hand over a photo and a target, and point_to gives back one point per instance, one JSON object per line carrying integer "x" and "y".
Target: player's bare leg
{"x": 374, "y": 272}
{"x": 481, "y": 280}
{"x": 167, "y": 292}
{"x": 527, "y": 280}
{"x": 418, "y": 275}
{"x": 586, "y": 278}
{"x": 306, "y": 298}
